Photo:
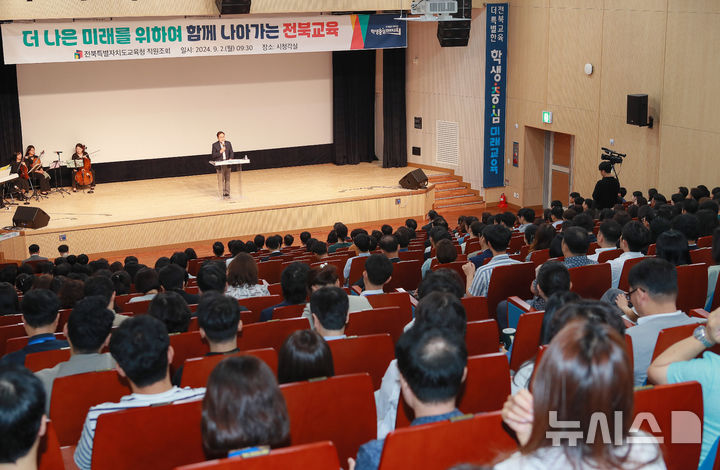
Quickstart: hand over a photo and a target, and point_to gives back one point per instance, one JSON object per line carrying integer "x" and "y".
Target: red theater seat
{"x": 389, "y": 320}
{"x": 46, "y": 359}
{"x": 196, "y": 370}
{"x": 481, "y": 337}
{"x": 527, "y": 339}
{"x": 476, "y": 308}
{"x": 591, "y": 281}
{"x": 371, "y": 354}
{"x": 269, "y": 334}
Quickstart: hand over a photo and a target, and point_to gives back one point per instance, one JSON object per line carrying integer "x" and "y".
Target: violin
{"x": 84, "y": 175}
{"x": 23, "y": 171}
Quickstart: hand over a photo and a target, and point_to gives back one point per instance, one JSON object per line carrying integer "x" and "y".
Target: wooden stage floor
{"x": 138, "y": 214}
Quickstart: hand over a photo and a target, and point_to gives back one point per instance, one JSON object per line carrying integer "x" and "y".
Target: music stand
{"x": 57, "y": 166}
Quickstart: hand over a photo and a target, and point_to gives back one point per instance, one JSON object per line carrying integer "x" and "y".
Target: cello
{"x": 84, "y": 176}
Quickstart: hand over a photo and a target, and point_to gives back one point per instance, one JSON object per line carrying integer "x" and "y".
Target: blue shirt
{"x": 37, "y": 343}
{"x": 368, "y": 457}
{"x": 479, "y": 259}
{"x": 266, "y": 314}
{"x": 577, "y": 261}
{"x": 704, "y": 370}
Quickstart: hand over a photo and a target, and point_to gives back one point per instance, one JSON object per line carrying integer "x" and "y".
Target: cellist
{"x": 81, "y": 154}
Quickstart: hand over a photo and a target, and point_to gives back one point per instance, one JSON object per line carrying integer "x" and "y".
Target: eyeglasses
{"x": 628, "y": 294}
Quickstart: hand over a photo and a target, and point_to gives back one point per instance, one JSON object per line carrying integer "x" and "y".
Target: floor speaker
{"x": 30, "y": 217}
{"x": 637, "y": 110}
{"x": 416, "y": 179}
{"x": 233, "y": 7}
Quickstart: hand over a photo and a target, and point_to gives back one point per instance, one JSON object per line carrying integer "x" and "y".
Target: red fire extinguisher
{"x": 503, "y": 201}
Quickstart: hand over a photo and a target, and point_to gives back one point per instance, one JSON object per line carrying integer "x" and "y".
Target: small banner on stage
{"x": 33, "y": 43}
{"x": 495, "y": 85}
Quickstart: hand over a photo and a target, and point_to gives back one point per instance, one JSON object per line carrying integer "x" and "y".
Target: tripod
{"x": 57, "y": 167}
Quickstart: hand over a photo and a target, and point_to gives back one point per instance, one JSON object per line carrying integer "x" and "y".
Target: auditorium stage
{"x": 138, "y": 214}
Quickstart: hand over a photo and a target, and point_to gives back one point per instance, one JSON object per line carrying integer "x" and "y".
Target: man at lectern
{"x": 222, "y": 150}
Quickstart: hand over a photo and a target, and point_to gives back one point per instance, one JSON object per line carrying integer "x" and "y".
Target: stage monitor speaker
{"x": 456, "y": 33}
{"x": 637, "y": 110}
{"x": 416, "y": 179}
{"x": 30, "y": 217}
{"x": 233, "y": 7}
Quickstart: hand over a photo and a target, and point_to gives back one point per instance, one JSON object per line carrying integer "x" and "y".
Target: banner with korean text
{"x": 495, "y": 85}
{"x": 32, "y": 43}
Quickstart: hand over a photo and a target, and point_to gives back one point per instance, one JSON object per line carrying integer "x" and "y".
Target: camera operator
{"x": 606, "y": 190}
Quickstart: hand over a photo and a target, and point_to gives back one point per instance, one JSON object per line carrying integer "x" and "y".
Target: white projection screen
{"x": 155, "y": 108}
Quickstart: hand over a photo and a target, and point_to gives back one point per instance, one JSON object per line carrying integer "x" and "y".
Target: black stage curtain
{"x": 394, "y": 120}
{"x": 10, "y": 130}
{"x": 354, "y": 106}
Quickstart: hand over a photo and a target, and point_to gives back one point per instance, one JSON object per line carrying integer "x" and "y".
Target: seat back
{"x": 337, "y": 261}
{"x": 669, "y": 336}
{"x": 289, "y": 311}
{"x": 73, "y": 396}
{"x": 692, "y": 286}
{"x": 270, "y": 334}
{"x": 196, "y": 370}
{"x": 49, "y": 454}
{"x": 63, "y": 316}
{"x": 357, "y": 266}
{"x": 481, "y": 337}
{"x": 340, "y": 409}
{"x": 270, "y": 271}
{"x": 317, "y": 456}
{"x": 702, "y": 255}
{"x": 137, "y": 307}
{"x": 591, "y": 281}
{"x": 14, "y": 319}
{"x": 515, "y": 308}
{"x": 392, "y": 299}
{"x": 527, "y": 339}
{"x": 705, "y": 242}
{"x": 187, "y": 345}
{"x": 389, "y": 320}
{"x": 170, "y": 436}
{"x": 627, "y": 266}
{"x": 257, "y": 304}
{"x": 454, "y": 266}
{"x": 476, "y": 308}
{"x": 486, "y": 388}
{"x": 406, "y": 275}
{"x": 19, "y": 342}
{"x": 607, "y": 255}
{"x": 538, "y": 257}
{"x": 8, "y": 332}
{"x": 357, "y": 354}
{"x": 480, "y": 439}
{"x": 507, "y": 281}
{"x": 678, "y": 411}
{"x": 46, "y": 359}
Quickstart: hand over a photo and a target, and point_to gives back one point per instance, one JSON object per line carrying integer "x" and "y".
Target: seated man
{"x": 688, "y": 225}
{"x": 34, "y": 254}
{"x": 147, "y": 282}
{"x": 678, "y": 364}
{"x": 635, "y": 236}
{"x": 327, "y": 277}
{"x": 574, "y": 245}
{"x": 389, "y": 245}
{"x": 273, "y": 244}
{"x": 219, "y": 324}
{"x": 556, "y": 216}
{"x": 653, "y": 293}
{"x": 293, "y": 281}
{"x": 88, "y": 332}
{"x": 361, "y": 246}
{"x": 329, "y": 307}
{"x": 319, "y": 249}
{"x": 341, "y": 231}
{"x": 433, "y": 366}
{"x": 378, "y": 272}
{"x": 607, "y": 238}
{"x": 105, "y": 288}
{"x": 403, "y": 234}
{"x": 40, "y": 317}
{"x": 212, "y": 277}
{"x": 22, "y": 418}
{"x": 479, "y": 257}
{"x": 526, "y": 216}
{"x": 173, "y": 278}
{"x": 436, "y": 234}
{"x": 498, "y": 238}
{"x": 141, "y": 348}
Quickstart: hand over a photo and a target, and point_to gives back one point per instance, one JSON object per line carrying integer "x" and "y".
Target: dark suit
{"x": 217, "y": 155}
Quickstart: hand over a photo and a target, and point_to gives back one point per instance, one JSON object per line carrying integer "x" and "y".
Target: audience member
{"x": 273, "y": 245}
{"x": 218, "y": 249}
{"x": 544, "y": 237}
{"x": 242, "y": 277}
{"x": 243, "y": 409}
{"x": 141, "y": 348}
{"x": 104, "y": 287}
{"x": 526, "y": 216}
{"x": 329, "y": 307}
{"x": 688, "y": 225}
{"x": 88, "y": 332}
{"x": 34, "y": 254}
{"x": 146, "y": 282}
{"x": 633, "y": 240}
{"x": 498, "y": 239}
{"x": 304, "y": 355}
{"x": 288, "y": 240}
{"x": 172, "y": 278}
{"x": 673, "y": 247}
{"x": 40, "y": 318}
{"x": 293, "y": 281}
{"x": 389, "y": 246}
{"x": 327, "y": 277}
{"x": 607, "y": 238}
{"x": 211, "y": 277}
{"x": 8, "y": 299}
{"x": 361, "y": 246}
{"x": 22, "y": 419}
{"x": 171, "y": 309}
{"x": 378, "y": 272}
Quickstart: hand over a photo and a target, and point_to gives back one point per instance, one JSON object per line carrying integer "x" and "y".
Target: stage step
{"x": 458, "y": 191}
{"x": 443, "y": 178}
{"x": 457, "y": 199}
{"x": 449, "y": 185}
{"x": 480, "y": 205}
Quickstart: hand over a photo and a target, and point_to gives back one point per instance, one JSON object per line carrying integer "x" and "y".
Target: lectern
{"x": 236, "y": 163}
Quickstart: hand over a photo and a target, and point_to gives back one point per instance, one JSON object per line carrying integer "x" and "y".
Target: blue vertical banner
{"x": 495, "y": 86}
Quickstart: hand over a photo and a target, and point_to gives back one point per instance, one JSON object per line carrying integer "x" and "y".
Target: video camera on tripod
{"x": 612, "y": 156}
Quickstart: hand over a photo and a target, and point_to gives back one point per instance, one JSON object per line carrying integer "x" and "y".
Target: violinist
{"x": 85, "y": 175}
{"x": 39, "y": 176}
{"x": 20, "y": 185}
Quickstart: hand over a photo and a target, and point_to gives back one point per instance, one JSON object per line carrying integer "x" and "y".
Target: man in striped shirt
{"x": 498, "y": 239}
{"x": 141, "y": 348}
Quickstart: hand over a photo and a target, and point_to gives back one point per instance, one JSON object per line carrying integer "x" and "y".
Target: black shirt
{"x": 606, "y": 191}
{"x": 37, "y": 343}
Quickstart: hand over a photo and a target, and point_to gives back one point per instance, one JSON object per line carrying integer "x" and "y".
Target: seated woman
{"x": 171, "y": 309}
{"x": 542, "y": 240}
{"x": 304, "y": 355}
{"x": 673, "y": 246}
{"x": 243, "y": 409}
{"x": 21, "y": 185}
{"x": 40, "y": 178}
{"x": 585, "y": 376}
{"x": 242, "y": 278}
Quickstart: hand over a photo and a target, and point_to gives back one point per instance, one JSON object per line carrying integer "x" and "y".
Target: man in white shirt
{"x": 141, "y": 348}
{"x": 378, "y": 272}
{"x": 635, "y": 236}
{"x": 329, "y": 307}
{"x": 607, "y": 238}
{"x": 526, "y": 216}
{"x": 498, "y": 238}
{"x": 327, "y": 277}
{"x": 556, "y": 216}
{"x": 653, "y": 293}
{"x": 361, "y": 246}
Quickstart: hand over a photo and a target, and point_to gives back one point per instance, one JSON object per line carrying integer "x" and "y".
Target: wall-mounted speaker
{"x": 637, "y": 110}
{"x": 233, "y": 7}
{"x": 456, "y": 33}
{"x": 416, "y": 179}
